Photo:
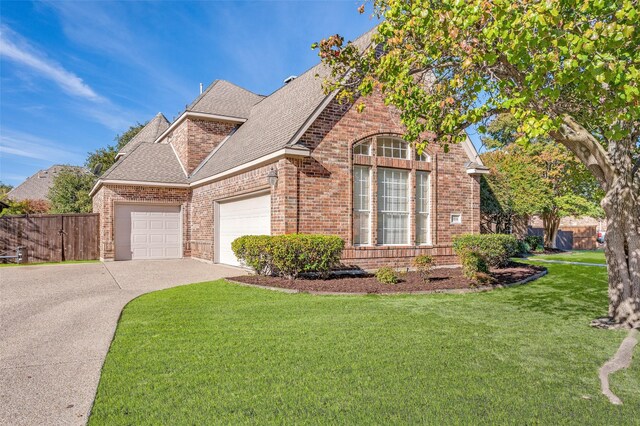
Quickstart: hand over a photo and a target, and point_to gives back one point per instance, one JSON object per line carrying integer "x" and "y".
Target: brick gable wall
{"x": 193, "y": 140}
{"x": 324, "y": 185}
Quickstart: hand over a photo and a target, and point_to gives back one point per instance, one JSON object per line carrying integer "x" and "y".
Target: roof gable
{"x": 148, "y": 134}
{"x": 148, "y": 162}
{"x": 275, "y": 122}
{"x": 224, "y": 98}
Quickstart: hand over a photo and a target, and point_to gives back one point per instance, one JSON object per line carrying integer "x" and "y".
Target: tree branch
{"x": 587, "y": 148}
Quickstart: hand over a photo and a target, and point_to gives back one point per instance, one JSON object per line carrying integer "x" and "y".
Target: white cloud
{"x": 25, "y": 145}
{"x": 14, "y": 48}
{"x": 113, "y": 27}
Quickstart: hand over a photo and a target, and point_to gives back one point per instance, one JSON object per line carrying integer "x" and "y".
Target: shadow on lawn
{"x": 567, "y": 291}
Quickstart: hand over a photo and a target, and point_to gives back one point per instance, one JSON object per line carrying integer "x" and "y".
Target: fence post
{"x": 22, "y": 255}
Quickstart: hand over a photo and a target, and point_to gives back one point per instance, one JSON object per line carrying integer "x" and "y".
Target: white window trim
{"x": 451, "y": 222}
{"x": 409, "y": 221}
{"x": 369, "y": 144}
{"x": 370, "y": 243}
{"x": 429, "y": 241}
{"x": 407, "y": 147}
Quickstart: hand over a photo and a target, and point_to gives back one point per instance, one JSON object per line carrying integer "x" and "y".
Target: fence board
{"x": 573, "y": 237}
{"x": 80, "y": 237}
{"x": 51, "y": 238}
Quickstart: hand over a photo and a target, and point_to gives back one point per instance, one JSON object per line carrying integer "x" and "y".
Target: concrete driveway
{"x": 56, "y": 325}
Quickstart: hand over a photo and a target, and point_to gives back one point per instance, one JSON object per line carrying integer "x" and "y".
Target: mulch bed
{"x": 441, "y": 279}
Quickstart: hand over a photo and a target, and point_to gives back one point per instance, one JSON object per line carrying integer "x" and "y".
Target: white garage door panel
{"x": 248, "y": 216}
{"x": 148, "y": 232}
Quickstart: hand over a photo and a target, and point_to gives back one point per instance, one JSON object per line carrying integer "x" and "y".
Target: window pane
{"x": 392, "y": 148}
{"x": 423, "y": 157}
{"x": 362, "y": 148}
{"x": 361, "y": 205}
{"x": 393, "y": 206}
{"x": 422, "y": 208}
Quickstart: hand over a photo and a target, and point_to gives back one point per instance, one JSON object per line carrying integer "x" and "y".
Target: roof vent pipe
{"x": 290, "y": 79}
{"x": 201, "y": 88}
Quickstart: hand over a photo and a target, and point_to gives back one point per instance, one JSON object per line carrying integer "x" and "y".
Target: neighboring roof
{"x": 224, "y": 98}
{"x": 36, "y": 187}
{"x": 149, "y": 133}
{"x": 148, "y": 162}
{"x": 274, "y": 122}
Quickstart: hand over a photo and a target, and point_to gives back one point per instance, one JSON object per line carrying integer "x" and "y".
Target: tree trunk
{"x": 622, "y": 249}
{"x": 550, "y": 223}
{"x": 616, "y": 170}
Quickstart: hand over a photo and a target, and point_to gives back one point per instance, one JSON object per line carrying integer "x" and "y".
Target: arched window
{"x": 391, "y": 147}
{"x": 395, "y": 186}
{"x": 423, "y": 156}
{"x": 362, "y": 148}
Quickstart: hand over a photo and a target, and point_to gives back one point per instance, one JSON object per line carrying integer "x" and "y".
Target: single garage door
{"x": 246, "y": 216}
{"x": 147, "y": 232}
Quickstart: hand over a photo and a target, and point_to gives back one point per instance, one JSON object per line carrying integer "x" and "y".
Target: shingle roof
{"x": 274, "y": 122}
{"x": 148, "y": 162}
{"x": 36, "y": 187}
{"x": 149, "y": 133}
{"x": 224, "y": 98}
{"x": 271, "y": 124}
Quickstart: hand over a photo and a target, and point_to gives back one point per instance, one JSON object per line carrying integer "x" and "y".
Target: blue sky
{"x": 75, "y": 74}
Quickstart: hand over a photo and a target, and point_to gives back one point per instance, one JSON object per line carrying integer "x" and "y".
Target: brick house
{"x": 297, "y": 161}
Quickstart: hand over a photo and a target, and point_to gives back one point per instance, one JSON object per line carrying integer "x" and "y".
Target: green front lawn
{"x": 585, "y": 256}
{"x": 219, "y": 353}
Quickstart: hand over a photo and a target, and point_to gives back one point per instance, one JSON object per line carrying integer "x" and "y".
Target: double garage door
{"x": 147, "y": 232}
{"x": 155, "y": 232}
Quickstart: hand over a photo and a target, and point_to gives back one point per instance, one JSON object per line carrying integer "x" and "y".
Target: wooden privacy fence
{"x": 51, "y": 238}
{"x": 573, "y": 237}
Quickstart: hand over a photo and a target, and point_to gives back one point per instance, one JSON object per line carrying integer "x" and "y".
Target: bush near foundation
{"x": 255, "y": 252}
{"x": 386, "y": 275}
{"x": 494, "y": 249}
{"x": 289, "y": 255}
{"x": 424, "y": 264}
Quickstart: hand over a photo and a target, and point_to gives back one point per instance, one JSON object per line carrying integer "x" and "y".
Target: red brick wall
{"x": 108, "y": 196}
{"x": 204, "y": 197}
{"x": 324, "y": 185}
{"x": 194, "y": 140}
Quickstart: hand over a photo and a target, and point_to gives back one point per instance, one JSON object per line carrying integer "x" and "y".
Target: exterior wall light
{"x": 273, "y": 177}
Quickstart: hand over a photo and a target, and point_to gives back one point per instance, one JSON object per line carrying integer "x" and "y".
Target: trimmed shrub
{"x": 473, "y": 266}
{"x": 424, "y": 264}
{"x": 289, "y": 255}
{"x": 387, "y": 275}
{"x": 536, "y": 242}
{"x": 254, "y": 251}
{"x": 523, "y": 248}
{"x": 493, "y": 249}
{"x": 294, "y": 254}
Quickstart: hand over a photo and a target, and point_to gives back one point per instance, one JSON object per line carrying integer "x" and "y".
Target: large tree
{"x": 554, "y": 184}
{"x": 106, "y": 157}
{"x": 512, "y": 192}
{"x": 568, "y": 70}
{"x": 70, "y": 191}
